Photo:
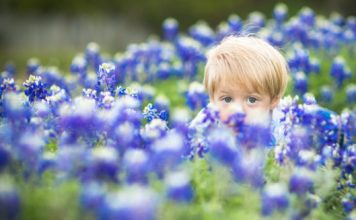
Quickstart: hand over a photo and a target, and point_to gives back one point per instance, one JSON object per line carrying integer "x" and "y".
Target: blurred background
{"x": 54, "y": 31}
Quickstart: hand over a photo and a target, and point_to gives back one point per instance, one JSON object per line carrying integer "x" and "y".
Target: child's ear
{"x": 275, "y": 102}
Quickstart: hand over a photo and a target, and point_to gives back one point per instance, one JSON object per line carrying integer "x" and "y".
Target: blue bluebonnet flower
{"x": 141, "y": 92}
{"x": 307, "y": 158}
{"x": 5, "y": 157}
{"x": 35, "y": 88}
{"x": 223, "y": 30}
{"x": 130, "y": 203}
{"x": 47, "y": 161}
{"x": 150, "y": 113}
{"x": 255, "y": 21}
{"x": 196, "y": 97}
{"x": 72, "y": 160}
{"x": 92, "y": 196}
{"x": 337, "y": 19}
{"x": 315, "y": 128}
{"x": 79, "y": 119}
{"x": 351, "y": 94}
{"x": 104, "y": 164}
{"x": 107, "y": 76}
{"x": 9, "y": 200}
{"x": 167, "y": 151}
{"x": 300, "y": 83}
{"x": 351, "y": 23}
{"x": 349, "y": 203}
{"x": 6, "y": 85}
{"x": 79, "y": 65}
{"x": 326, "y": 94}
{"x": 90, "y": 93}
{"x": 274, "y": 198}
{"x": 202, "y": 33}
{"x": 52, "y": 76}
{"x": 105, "y": 100}
{"x": 191, "y": 53}
{"x": 250, "y": 135}
{"x": 296, "y": 31}
{"x": 222, "y": 145}
{"x": 307, "y": 16}
{"x": 309, "y": 99}
{"x": 4, "y": 75}
{"x": 301, "y": 182}
{"x": 249, "y": 168}
{"x": 57, "y": 96}
{"x": 314, "y": 65}
{"x": 14, "y": 106}
{"x": 327, "y": 125}
{"x": 10, "y": 69}
{"x": 340, "y": 71}
{"x": 92, "y": 55}
{"x": 300, "y": 61}
{"x": 255, "y": 136}
{"x": 136, "y": 165}
{"x": 126, "y": 135}
{"x": 178, "y": 186}
{"x": 162, "y": 103}
{"x": 348, "y": 36}
{"x": 89, "y": 81}
{"x": 276, "y": 38}
{"x": 33, "y": 66}
{"x": 348, "y": 164}
{"x": 154, "y": 130}
{"x": 170, "y": 29}
{"x": 164, "y": 71}
{"x": 235, "y": 24}
{"x": 206, "y": 120}
{"x": 348, "y": 126}
{"x": 122, "y": 124}
{"x": 280, "y": 13}
{"x": 29, "y": 148}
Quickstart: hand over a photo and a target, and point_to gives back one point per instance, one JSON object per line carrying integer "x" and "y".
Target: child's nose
{"x": 237, "y": 108}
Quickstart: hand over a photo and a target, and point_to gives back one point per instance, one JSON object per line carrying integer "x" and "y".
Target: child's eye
{"x": 227, "y": 99}
{"x": 251, "y": 100}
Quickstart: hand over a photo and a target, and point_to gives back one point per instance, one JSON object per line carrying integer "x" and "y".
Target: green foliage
{"x": 47, "y": 200}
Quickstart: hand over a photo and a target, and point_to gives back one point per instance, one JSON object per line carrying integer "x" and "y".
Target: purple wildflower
{"x": 274, "y": 198}
{"x": 179, "y": 188}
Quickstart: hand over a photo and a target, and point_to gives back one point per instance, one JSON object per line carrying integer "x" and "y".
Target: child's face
{"x": 256, "y": 106}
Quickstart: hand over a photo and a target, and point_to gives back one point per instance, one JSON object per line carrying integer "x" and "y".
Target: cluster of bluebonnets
{"x": 135, "y": 156}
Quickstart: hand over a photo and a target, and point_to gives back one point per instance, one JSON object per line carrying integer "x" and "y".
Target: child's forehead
{"x": 231, "y": 88}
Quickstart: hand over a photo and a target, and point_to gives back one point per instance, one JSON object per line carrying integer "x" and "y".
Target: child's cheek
{"x": 224, "y": 114}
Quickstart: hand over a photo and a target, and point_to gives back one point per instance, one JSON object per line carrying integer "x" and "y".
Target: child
{"x": 246, "y": 75}
{"x": 242, "y": 75}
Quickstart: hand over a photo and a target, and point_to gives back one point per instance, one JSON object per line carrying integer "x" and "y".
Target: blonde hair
{"x": 249, "y": 62}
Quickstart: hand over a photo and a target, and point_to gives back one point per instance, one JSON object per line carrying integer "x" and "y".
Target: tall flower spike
{"x": 35, "y": 88}
{"x": 178, "y": 187}
{"x": 170, "y": 29}
{"x": 274, "y": 198}
{"x": 326, "y": 94}
{"x": 280, "y": 13}
{"x": 351, "y": 94}
{"x": 340, "y": 71}
{"x": 9, "y": 200}
{"x": 107, "y": 76}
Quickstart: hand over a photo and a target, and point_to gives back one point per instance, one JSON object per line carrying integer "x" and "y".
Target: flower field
{"x": 109, "y": 137}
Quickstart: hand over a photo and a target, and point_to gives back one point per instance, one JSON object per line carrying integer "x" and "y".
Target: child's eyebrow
{"x": 226, "y": 92}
